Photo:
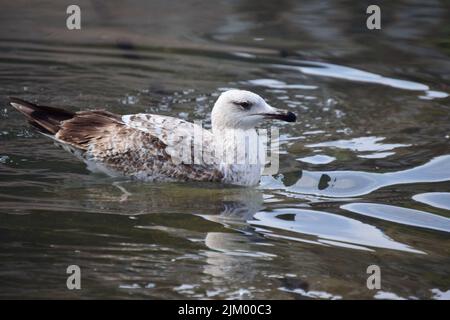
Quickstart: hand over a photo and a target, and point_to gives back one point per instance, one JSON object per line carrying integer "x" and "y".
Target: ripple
{"x": 186, "y": 287}
{"x": 400, "y": 215}
{"x": 359, "y": 144}
{"x": 430, "y": 95}
{"x": 314, "y": 132}
{"x": 352, "y": 74}
{"x": 440, "y": 295}
{"x": 277, "y": 84}
{"x": 358, "y": 183}
{"x": 317, "y": 159}
{"x": 435, "y": 199}
{"x": 384, "y": 295}
{"x": 312, "y": 293}
{"x": 130, "y": 286}
{"x": 376, "y": 155}
{"x": 331, "y": 229}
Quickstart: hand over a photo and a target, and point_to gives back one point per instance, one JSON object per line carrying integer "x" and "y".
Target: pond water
{"x": 364, "y": 174}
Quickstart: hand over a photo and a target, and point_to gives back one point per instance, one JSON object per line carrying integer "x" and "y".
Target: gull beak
{"x": 280, "y": 115}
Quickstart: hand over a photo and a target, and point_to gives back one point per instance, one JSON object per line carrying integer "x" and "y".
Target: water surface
{"x": 364, "y": 174}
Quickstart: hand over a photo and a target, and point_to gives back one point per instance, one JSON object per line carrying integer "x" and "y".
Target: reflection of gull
{"x": 210, "y": 201}
{"x": 228, "y": 254}
{"x": 229, "y": 251}
{"x": 159, "y": 148}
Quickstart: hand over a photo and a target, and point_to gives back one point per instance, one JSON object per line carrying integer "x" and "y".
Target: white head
{"x": 240, "y": 109}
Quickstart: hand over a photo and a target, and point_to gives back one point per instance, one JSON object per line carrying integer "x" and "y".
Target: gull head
{"x": 240, "y": 109}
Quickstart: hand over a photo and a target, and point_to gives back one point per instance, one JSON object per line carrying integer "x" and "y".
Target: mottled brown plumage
{"x": 106, "y": 143}
{"x": 160, "y": 148}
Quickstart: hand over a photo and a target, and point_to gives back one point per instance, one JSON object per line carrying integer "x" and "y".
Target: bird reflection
{"x": 134, "y": 198}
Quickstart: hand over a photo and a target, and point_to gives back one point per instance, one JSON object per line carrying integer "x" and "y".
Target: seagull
{"x": 153, "y": 147}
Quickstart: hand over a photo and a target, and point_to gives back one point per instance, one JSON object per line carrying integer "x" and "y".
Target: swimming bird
{"x": 155, "y": 147}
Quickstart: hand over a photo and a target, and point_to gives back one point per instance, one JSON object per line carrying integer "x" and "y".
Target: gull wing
{"x": 186, "y": 142}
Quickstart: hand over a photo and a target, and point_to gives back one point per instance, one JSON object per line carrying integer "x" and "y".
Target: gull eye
{"x": 244, "y": 104}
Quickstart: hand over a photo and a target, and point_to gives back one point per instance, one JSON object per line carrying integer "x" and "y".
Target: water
{"x": 365, "y": 172}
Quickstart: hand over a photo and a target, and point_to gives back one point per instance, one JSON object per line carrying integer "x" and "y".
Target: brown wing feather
{"x": 105, "y": 139}
{"x": 87, "y": 126}
{"x": 45, "y": 119}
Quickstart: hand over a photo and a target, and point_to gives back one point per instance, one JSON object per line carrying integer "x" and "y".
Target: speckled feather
{"x": 139, "y": 152}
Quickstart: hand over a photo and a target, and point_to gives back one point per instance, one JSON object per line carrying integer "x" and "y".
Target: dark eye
{"x": 244, "y": 104}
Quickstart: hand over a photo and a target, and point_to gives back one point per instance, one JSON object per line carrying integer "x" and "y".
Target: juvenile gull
{"x": 160, "y": 148}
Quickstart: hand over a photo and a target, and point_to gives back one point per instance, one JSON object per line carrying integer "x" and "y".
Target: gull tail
{"x": 46, "y": 119}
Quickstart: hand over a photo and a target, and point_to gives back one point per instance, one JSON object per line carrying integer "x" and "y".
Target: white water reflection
{"x": 277, "y": 84}
{"x": 435, "y": 199}
{"x": 400, "y": 215}
{"x": 312, "y": 294}
{"x": 440, "y": 295}
{"x": 430, "y": 95}
{"x": 359, "y": 144}
{"x": 384, "y": 295}
{"x": 352, "y": 74}
{"x": 317, "y": 159}
{"x": 330, "y": 228}
{"x": 358, "y": 183}
{"x": 376, "y": 155}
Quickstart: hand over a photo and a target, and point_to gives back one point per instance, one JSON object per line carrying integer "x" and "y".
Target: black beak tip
{"x": 290, "y": 117}
{"x": 283, "y": 116}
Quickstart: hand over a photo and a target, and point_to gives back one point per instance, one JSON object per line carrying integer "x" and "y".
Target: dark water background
{"x": 365, "y": 172}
